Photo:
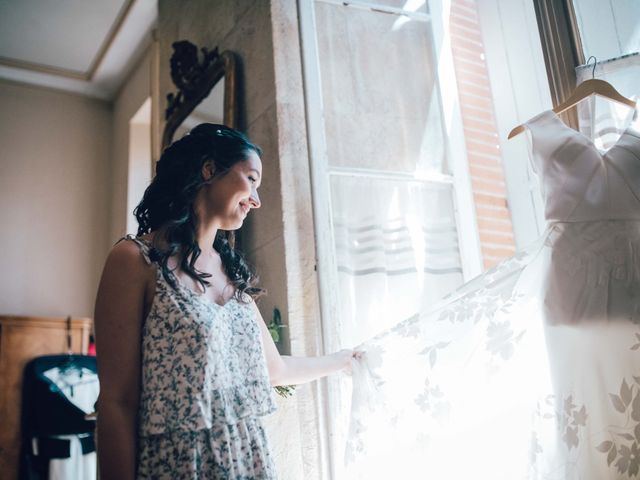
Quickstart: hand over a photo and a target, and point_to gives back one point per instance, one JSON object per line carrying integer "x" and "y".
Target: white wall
{"x": 140, "y": 161}
{"x": 132, "y": 95}
{"x": 64, "y": 174}
{"x": 54, "y": 165}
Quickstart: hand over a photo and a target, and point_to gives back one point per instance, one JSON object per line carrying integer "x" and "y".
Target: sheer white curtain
{"x": 384, "y": 192}
{"x": 450, "y": 392}
{"x": 397, "y": 251}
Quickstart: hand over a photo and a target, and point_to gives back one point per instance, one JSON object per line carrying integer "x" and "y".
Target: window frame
{"x": 562, "y": 50}
{"x": 460, "y": 181}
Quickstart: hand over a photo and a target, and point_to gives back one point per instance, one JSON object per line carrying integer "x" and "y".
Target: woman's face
{"x": 229, "y": 197}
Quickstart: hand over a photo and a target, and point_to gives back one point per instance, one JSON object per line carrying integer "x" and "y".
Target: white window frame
{"x": 455, "y": 151}
{"x": 520, "y": 90}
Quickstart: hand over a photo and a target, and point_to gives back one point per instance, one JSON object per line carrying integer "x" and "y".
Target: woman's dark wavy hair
{"x": 167, "y": 205}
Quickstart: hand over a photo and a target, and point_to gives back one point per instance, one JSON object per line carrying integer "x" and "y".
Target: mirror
{"x": 206, "y": 83}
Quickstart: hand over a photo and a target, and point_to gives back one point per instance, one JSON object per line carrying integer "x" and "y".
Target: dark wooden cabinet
{"x": 21, "y": 339}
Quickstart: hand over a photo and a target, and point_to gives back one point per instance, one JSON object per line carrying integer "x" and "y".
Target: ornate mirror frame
{"x": 195, "y": 76}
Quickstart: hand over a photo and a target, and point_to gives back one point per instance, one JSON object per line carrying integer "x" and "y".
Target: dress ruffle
{"x": 238, "y": 451}
{"x": 169, "y": 410}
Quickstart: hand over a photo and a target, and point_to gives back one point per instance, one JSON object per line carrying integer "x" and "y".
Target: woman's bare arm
{"x": 118, "y": 320}
{"x": 288, "y": 370}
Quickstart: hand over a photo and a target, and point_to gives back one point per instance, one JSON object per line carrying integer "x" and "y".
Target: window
{"x": 574, "y": 31}
{"x": 416, "y": 188}
{"x": 392, "y": 199}
{"x": 406, "y": 122}
{"x": 610, "y": 32}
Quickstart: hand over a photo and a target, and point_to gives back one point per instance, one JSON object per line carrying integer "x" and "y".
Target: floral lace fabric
{"x": 531, "y": 370}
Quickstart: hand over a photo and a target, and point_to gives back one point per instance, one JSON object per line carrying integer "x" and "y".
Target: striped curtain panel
{"x": 391, "y": 191}
{"x": 397, "y": 250}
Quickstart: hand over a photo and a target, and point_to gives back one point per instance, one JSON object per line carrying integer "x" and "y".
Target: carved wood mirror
{"x": 206, "y": 83}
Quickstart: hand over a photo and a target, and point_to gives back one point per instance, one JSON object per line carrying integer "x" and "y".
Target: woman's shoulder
{"x": 127, "y": 269}
{"x": 146, "y": 239}
{"x": 130, "y": 254}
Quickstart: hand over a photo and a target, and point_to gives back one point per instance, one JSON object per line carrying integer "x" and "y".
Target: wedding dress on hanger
{"x": 531, "y": 370}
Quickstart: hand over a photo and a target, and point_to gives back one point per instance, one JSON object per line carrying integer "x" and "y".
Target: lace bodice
{"x": 579, "y": 182}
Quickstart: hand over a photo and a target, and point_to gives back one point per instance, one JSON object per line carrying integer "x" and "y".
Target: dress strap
{"x": 145, "y": 247}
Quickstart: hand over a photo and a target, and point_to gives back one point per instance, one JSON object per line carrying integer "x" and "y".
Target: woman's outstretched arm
{"x": 288, "y": 370}
{"x": 118, "y": 319}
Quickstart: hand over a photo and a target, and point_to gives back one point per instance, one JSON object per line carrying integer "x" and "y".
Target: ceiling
{"x": 82, "y": 46}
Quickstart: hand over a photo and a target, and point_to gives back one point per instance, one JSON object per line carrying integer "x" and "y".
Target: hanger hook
{"x": 593, "y": 69}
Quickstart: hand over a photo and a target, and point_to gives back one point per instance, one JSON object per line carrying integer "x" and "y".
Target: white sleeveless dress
{"x": 531, "y": 370}
{"x": 204, "y": 387}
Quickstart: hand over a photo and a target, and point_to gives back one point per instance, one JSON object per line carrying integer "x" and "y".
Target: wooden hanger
{"x": 593, "y": 86}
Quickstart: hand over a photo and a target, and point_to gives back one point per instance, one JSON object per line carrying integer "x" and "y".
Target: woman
{"x": 185, "y": 360}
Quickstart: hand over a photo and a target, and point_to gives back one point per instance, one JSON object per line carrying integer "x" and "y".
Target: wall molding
{"x": 95, "y": 63}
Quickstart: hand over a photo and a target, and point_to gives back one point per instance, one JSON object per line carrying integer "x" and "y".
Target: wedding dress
{"x": 531, "y": 370}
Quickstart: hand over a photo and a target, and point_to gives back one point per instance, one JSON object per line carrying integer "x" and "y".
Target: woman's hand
{"x": 285, "y": 370}
{"x": 345, "y": 358}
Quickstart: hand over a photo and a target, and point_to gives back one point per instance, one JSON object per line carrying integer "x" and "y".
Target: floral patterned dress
{"x": 204, "y": 386}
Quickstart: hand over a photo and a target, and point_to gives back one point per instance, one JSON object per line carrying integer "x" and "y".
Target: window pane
{"x": 395, "y": 122}
{"x": 601, "y": 119}
{"x": 397, "y": 251}
{"x": 608, "y": 28}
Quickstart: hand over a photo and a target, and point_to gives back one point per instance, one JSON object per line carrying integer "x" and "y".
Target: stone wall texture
{"x": 278, "y": 238}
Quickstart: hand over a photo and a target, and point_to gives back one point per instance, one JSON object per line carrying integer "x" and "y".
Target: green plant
{"x": 285, "y": 390}
{"x": 274, "y": 328}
